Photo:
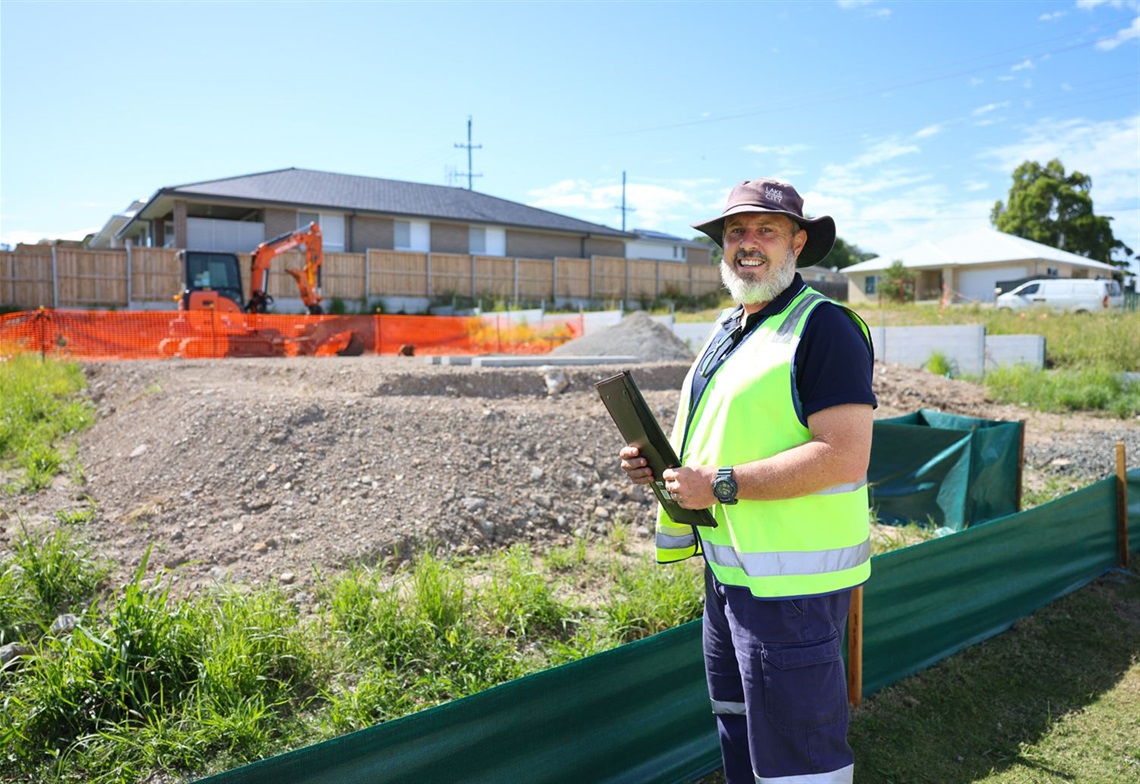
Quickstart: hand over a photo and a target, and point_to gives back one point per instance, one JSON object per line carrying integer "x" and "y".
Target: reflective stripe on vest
{"x": 788, "y": 563}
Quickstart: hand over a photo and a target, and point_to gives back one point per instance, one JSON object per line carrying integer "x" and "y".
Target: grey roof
{"x": 650, "y": 234}
{"x": 305, "y": 188}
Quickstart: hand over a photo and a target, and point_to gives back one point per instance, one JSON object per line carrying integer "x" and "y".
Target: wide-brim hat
{"x": 782, "y": 199}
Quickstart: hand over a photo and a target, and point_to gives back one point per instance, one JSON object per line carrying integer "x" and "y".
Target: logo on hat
{"x": 772, "y": 194}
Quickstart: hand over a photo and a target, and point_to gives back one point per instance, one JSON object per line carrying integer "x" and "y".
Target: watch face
{"x": 723, "y": 489}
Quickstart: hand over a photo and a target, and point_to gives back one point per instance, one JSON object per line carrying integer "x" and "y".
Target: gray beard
{"x": 747, "y": 292}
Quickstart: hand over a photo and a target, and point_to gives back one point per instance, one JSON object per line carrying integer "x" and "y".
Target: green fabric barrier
{"x": 1133, "y": 485}
{"x": 640, "y": 713}
{"x": 637, "y": 713}
{"x": 930, "y": 600}
{"x": 947, "y": 470}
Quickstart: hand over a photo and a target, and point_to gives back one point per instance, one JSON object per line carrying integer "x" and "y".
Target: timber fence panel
{"x": 451, "y": 275}
{"x": 342, "y": 277}
{"x": 706, "y": 279}
{"x": 494, "y": 277}
{"x": 155, "y": 274}
{"x": 397, "y": 273}
{"x": 642, "y": 279}
{"x": 572, "y": 278}
{"x": 609, "y": 278}
{"x": 535, "y": 280}
{"x": 91, "y": 278}
{"x": 7, "y": 288}
{"x": 32, "y": 283}
{"x": 673, "y": 279}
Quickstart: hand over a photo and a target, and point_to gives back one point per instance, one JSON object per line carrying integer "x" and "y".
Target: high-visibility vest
{"x": 813, "y": 544}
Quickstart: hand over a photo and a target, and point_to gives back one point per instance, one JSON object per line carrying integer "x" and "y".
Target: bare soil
{"x": 271, "y": 471}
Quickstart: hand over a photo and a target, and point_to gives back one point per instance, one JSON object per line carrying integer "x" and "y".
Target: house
{"x": 359, "y": 213}
{"x": 968, "y": 267}
{"x": 666, "y": 247}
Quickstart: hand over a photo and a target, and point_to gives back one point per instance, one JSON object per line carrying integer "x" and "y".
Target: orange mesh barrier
{"x": 100, "y": 335}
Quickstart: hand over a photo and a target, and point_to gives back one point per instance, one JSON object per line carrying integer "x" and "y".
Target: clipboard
{"x": 640, "y": 428}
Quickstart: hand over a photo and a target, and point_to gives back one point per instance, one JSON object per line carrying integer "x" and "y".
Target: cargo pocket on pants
{"x": 804, "y": 684}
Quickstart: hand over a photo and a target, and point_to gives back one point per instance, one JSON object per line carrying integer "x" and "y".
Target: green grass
{"x": 38, "y": 409}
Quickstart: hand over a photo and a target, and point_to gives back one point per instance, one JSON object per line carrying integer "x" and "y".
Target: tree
{"x": 1047, "y": 206}
{"x": 897, "y": 283}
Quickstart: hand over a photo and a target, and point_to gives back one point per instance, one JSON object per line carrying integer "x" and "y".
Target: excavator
{"x": 213, "y": 279}
{"x": 211, "y": 302}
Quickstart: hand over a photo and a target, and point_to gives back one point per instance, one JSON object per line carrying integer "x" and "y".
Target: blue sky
{"x": 903, "y": 120}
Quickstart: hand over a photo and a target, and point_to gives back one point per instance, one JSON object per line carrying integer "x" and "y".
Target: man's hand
{"x": 691, "y": 487}
{"x": 635, "y": 466}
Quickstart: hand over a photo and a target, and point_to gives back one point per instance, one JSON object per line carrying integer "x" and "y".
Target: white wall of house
{"x": 659, "y": 251}
{"x": 977, "y": 285}
{"x": 223, "y": 235}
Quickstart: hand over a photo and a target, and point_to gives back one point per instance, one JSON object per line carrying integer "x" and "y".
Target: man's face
{"x": 760, "y": 253}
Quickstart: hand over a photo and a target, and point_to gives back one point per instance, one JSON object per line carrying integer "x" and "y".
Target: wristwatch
{"x": 724, "y": 486}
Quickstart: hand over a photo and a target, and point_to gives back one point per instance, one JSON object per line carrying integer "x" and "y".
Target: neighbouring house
{"x": 358, "y": 213}
{"x": 666, "y": 247}
{"x": 968, "y": 267}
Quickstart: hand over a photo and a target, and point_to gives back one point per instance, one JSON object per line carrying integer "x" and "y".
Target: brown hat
{"x": 778, "y": 197}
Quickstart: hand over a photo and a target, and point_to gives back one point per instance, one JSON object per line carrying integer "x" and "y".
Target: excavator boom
{"x": 307, "y": 278}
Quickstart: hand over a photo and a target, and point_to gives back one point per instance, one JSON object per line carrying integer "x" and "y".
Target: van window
{"x": 1029, "y": 288}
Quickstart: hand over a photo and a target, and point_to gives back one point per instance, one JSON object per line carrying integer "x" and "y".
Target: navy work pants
{"x": 777, "y": 685}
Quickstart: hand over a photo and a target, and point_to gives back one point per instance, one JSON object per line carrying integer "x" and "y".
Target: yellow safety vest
{"x": 804, "y": 546}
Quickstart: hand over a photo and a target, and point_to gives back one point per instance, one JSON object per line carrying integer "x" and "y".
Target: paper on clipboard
{"x": 640, "y": 428}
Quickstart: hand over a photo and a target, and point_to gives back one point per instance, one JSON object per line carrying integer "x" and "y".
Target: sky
{"x": 902, "y": 120}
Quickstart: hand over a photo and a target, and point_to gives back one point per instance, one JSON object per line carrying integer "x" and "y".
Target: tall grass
{"x": 38, "y": 408}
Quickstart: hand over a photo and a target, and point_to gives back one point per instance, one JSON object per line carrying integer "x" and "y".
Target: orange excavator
{"x": 212, "y": 324}
{"x": 213, "y": 279}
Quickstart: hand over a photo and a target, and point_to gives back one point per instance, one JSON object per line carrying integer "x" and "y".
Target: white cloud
{"x": 783, "y": 151}
{"x": 976, "y": 81}
{"x": 928, "y": 131}
{"x": 1024, "y": 65}
{"x": 855, "y": 5}
{"x": 1127, "y": 34}
{"x": 989, "y": 107}
{"x": 974, "y": 185}
{"x": 657, "y": 206}
{"x": 1051, "y": 17}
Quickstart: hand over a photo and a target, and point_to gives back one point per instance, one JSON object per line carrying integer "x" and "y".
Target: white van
{"x": 1079, "y": 295}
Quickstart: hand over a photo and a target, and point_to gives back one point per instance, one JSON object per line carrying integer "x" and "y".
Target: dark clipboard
{"x": 640, "y": 428}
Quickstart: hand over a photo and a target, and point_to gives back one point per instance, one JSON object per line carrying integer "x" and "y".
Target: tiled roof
{"x": 305, "y": 188}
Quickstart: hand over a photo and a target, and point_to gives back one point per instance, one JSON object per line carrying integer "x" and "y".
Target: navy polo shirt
{"x": 833, "y": 363}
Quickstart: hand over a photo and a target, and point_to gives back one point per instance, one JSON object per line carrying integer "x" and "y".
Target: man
{"x": 774, "y": 433}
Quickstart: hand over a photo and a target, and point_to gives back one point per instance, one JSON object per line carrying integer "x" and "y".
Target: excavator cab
{"x": 213, "y": 280}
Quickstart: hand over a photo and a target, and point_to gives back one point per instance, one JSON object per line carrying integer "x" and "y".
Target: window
{"x": 411, "y": 235}
{"x": 1051, "y": 272}
{"x": 679, "y": 253}
{"x": 870, "y": 284}
{"x": 487, "y": 241}
{"x": 332, "y": 228}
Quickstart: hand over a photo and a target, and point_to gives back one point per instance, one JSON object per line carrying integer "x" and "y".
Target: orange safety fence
{"x": 103, "y": 335}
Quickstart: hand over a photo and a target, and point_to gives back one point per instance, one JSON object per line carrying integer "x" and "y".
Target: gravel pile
{"x": 637, "y": 335}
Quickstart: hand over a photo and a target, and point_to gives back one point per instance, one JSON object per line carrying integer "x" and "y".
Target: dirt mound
{"x": 269, "y": 471}
{"x": 637, "y": 335}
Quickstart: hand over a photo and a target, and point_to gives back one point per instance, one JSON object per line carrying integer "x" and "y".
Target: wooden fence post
{"x": 855, "y": 647}
{"x": 1121, "y": 506}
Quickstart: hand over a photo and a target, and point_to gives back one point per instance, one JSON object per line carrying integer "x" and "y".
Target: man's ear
{"x": 799, "y": 240}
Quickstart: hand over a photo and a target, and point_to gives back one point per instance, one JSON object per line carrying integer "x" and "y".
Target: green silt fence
{"x": 640, "y": 713}
{"x": 943, "y": 469}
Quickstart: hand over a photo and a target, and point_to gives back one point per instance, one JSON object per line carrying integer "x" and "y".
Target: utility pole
{"x": 624, "y": 209}
{"x": 469, "y": 147}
